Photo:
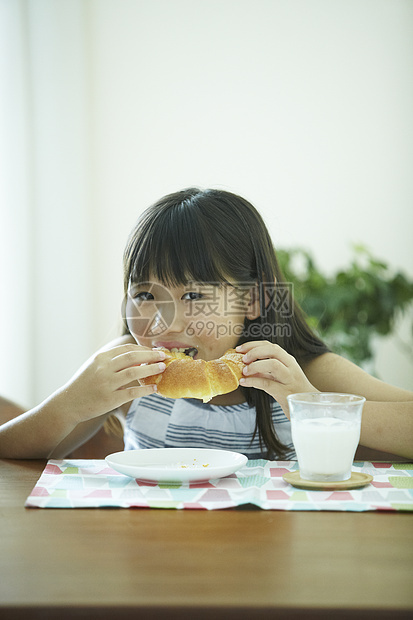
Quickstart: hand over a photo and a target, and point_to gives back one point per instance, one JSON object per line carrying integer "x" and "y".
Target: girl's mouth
{"x": 177, "y": 347}
{"x": 191, "y": 351}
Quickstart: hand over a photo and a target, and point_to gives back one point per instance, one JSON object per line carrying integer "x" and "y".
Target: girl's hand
{"x": 109, "y": 380}
{"x": 272, "y": 369}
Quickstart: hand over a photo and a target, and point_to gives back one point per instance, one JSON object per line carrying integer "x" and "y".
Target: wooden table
{"x": 244, "y": 564}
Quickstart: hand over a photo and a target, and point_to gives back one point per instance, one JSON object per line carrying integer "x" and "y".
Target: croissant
{"x": 185, "y": 377}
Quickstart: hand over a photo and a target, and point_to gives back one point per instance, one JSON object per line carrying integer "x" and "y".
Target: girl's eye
{"x": 192, "y": 296}
{"x": 143, "y": 296}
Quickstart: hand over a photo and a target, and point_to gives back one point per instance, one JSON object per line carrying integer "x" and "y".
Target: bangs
{"x": 181, "y": 244}
{"x": 175, "y": 262}
{"x": 175, "y": 257}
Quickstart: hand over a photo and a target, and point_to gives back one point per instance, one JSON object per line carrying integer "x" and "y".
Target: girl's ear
{"x": 254, "y": 310}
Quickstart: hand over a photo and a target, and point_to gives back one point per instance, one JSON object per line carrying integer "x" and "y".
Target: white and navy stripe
{"x": 157, "y": 422}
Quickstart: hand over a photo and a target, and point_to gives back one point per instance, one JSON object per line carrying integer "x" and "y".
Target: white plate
{"x": 176, "y": 464}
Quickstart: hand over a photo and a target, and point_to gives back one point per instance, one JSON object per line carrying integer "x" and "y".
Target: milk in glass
{"x": 325, "y": 447}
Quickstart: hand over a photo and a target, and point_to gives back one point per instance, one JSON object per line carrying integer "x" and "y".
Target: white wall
{"x": 303, "y": 106}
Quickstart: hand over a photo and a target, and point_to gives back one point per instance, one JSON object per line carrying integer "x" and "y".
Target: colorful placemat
{"x": 92, "y": 484}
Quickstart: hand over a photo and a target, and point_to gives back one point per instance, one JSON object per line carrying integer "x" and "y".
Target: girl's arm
{"x": 387, "y": 421}
{"x": 76, "y": 411}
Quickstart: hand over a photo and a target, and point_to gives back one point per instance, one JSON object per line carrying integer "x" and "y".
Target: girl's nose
{"x": 169, "y": 318}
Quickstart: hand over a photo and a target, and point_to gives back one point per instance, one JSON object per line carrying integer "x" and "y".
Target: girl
{"x": 201, "y": 276}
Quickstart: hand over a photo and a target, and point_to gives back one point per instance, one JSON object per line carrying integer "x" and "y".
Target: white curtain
{"x": 46, "y": 211}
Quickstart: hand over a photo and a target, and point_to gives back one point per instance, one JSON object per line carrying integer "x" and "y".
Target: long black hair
{"x": 216, "y": 236}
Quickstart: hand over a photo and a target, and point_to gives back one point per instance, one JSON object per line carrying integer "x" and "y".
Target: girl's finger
{"x": 134, "y": 373}
{"x": 124, "y": 348}
{"x": 247, "y": 346}
{"x": 258, "y": 382}
{"x": 136, "y": 358}
{"x": 266, "y": 350}
{"x": 137, "y": 392}
{"x": 271, "y": 369}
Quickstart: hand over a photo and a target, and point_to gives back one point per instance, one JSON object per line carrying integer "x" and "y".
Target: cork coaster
{"x": 357, "y": 480}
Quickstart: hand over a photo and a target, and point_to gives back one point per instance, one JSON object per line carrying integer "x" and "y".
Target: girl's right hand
{"x": 109, "y": 380}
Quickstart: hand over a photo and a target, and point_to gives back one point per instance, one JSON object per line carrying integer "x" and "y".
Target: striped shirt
{"x": 157, "y": 422}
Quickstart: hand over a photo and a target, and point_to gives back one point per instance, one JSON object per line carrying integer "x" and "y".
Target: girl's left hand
{"x": 270, "y": 368}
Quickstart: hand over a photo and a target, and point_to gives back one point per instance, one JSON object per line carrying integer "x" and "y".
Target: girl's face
{"x": 202, "y": 319}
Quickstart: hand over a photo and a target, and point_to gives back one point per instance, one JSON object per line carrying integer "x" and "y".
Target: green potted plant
{"x": 351, "y": 307}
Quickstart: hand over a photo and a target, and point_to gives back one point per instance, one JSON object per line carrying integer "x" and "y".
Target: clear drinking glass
{"x": 325, "y": 431}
